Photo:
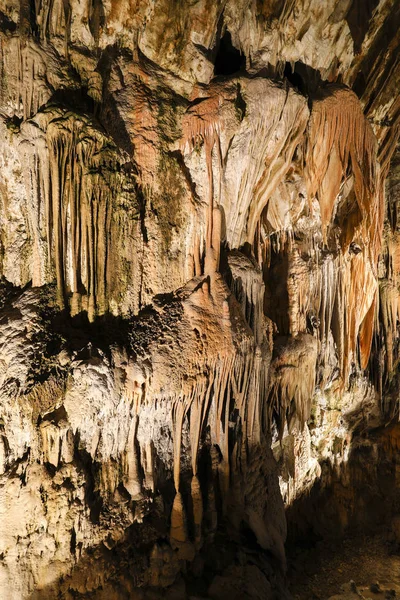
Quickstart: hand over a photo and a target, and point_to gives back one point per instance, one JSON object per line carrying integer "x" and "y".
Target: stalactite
{"x": 278, "y": 120}
{"x": 340, "y": 141}
{"x": 221, "y": 381}
{"x": 300, "y": 292}
{"x": 366, "y": 332}
{"x": 32, "y": 90}
{"x": 338, "y": 136}
{"x": 51, "y": 18}
{"x": 388, "y": 315}
{"x": 327, "y": 290}
{"x": 292, "y": 380}
{"x": 197, "y": 257}
{"x": 74, "y": 179}
{"x": 37, "y": 180}
{"x": 248, "y": 287}
{"x": 202, "y": 123}
{"x": 147, "y": 464}
{"x": 358, "y": 291}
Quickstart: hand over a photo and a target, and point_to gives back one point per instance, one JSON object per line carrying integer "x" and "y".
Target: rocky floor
{"x": 363, "y": 567}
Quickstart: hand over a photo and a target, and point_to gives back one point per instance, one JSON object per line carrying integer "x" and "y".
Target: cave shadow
{"x": 358, "y": 498}
{"x": 276, "y": 297}
{"x": 123, "y": 561}
{"x": 132, "y": 332}
{"x": 228, "y": 60}
{"x": 358, "y": 18}
{"x": 116, "y": 569}
{"x": 104, "y": 332}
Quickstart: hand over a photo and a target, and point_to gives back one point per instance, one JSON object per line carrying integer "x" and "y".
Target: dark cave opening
{"x": 304, "y": 78}
{"x": 294, "y": 78}
{"x": 229, "y": 60}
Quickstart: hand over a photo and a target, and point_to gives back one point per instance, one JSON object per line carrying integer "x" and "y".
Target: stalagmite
{"x": 198, "y": 410}
{"x": 132, "y": 478}
{"x": 178, "y": 534}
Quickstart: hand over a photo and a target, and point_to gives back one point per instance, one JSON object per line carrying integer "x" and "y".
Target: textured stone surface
{"x": 199, "y": 289}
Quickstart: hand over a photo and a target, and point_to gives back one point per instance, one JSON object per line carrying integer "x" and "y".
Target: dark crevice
{"x": 240, "y": 105}
{"x": 142, "y": 213}
{"x": 358, "y": 19}
{"x": 55, "y": 416}
{"x": 76, "y": 100}
{"x": 7, "y": 24}
{"x": 73, "y": 541}
{"x": 229, "y": 60}
{"x": 294, "y": 78}
{"x": 270, "y": 10}
{"x": 90, "y": 468}
{"x": 27, "y": 18}
{"x": 374, "y": 59}
{"x": 109, "y": 113}
{"x": 186, "y": 173}
{"x": 303, "y": 78}
{"x": 96, "y": 19}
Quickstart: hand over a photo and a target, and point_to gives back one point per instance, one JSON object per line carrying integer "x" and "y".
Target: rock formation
{"x": 200, "y": 289}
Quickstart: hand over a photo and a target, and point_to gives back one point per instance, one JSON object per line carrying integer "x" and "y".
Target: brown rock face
{"x": 199, "y": 293}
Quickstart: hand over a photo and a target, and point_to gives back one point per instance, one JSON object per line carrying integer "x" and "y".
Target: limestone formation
{"x": 200, "y": 289}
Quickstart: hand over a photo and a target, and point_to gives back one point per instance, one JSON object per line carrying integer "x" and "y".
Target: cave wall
{"x": 199, "y": 291}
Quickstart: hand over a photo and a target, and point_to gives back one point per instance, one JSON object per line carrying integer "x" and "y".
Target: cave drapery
{"x": 200, "y": 287}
